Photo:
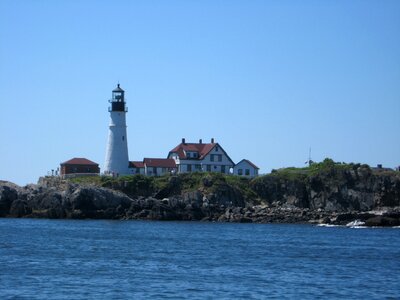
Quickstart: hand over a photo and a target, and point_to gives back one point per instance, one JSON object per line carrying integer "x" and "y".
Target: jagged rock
{"x": 382, "y": 221}
{"x": 19, "y": 208}
{"x": 208, "y": 181}
{"x": 335, "y": 196}
{"x": 8, "y": 193}
{"x": 94, "y": 198}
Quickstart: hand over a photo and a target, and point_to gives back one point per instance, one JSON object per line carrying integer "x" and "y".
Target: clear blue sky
{"x": 266, "y": 79}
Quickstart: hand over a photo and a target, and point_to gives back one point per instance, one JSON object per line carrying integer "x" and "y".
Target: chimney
{"x": 212, "y": 140}
{"x": 379, "y": 166}
{"x": 183, "y": 141}
{"x": 200, "y": 141}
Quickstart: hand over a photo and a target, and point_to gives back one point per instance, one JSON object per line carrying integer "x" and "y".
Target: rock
{"x": 334, "y": 195}
{"x": 19, "y": 208}
{"x": 325, "y": 220}
{"x": 8, "y": 193}
{"x": 44, "y": 200}
{"x": 343, "y": 219}
{"x": 208, "y": 181}
{"x": 382, "y": 221}
{"x": 245, "y": 220}
{"x": 94, "y": 198}
{"x": 76, "y": 214}
{"x": 56, "y": 213}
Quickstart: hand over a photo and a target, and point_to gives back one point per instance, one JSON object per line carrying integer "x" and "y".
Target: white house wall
{"x": 215, "y": 166}
{"x": 149, "y": 171}
{"x": 243, "y": 165}
{"x": 133, "y": 171}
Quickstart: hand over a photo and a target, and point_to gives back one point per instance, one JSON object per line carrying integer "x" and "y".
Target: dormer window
{"x": 192, "y": 155}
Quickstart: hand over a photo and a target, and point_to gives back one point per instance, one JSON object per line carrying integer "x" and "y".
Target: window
{"x": 195, "y": 155}
{"x": 240, "y": 171}
{"x": 222, "y": 169}
{"x": 219, "y": 157}
{"x": 197, "y": 167}
{"x": 247, "y": 172}
{"x": 212, "y": 157}
{"x": 216, "y": 148}
{"x": 123, "y": 138}
{"x": 189, "y": 168}
{"x": 208, "y": 168}
{"x": 187, "y": 154}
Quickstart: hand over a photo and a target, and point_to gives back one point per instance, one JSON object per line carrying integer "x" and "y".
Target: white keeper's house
{"x": 197, "y": 157}
{"x": 194, "y": 157}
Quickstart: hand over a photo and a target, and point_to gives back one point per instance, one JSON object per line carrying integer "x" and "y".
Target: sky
{"x": 266, "y": 79}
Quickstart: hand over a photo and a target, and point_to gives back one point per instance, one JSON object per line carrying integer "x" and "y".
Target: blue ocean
{"x": 97, "y": 259}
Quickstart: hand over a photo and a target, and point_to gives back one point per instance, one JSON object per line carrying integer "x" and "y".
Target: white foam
{"x": 328, "y": 225}
{"x": 358, "y": 227}
{"x": 356, "y": 223}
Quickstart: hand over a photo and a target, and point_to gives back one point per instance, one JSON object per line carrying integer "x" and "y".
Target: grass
{"x": 326, "y": 167}
{"x": 140, "y": 185}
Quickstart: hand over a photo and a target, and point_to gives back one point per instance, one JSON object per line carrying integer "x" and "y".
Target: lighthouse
{"x": 117, "y": 160}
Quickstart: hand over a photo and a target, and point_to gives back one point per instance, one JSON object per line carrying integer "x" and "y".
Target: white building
{"x": 117, "y": 161}
{"x": 153, "y": 167}
{"x": 136, "y": 167}
{"x": 159, "y": 166}
{"x": 245, "y": 168}
{"x": 197, "y": 157}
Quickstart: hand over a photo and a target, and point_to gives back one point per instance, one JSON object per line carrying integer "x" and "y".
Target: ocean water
{"x": 68, "y": 259}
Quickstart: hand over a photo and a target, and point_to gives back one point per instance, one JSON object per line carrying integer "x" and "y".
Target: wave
{"x": 355, "y": 224}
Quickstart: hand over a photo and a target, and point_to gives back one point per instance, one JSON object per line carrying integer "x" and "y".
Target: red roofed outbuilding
{"x": 153, "y": 166}
{"x": 137, "y": 167}
{"x": 79, "y": 166}
{"x": 159, "y": 166}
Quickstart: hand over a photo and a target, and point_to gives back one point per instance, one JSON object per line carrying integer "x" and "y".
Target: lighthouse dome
{"x": 118, "y": 89}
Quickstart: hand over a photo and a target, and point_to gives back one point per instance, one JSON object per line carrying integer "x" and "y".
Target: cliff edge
{"x": 327, "y": 192}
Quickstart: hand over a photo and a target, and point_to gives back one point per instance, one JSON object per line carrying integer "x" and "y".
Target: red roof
{"x": 79, "y": 161}
{"x": 136, "y": 164}
{"x": 201, "y": 149}
{"x": 159, "y": 162}
{"x": 249, "y": 162}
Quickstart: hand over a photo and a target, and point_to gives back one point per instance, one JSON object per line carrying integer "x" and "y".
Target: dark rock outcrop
{"x": 337, "y": 191}
{"x": 8, "y": 194}
{"x": 335, "y": 196}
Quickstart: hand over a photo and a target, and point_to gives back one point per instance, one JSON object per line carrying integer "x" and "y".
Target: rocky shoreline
{"x": 372, "y": 200}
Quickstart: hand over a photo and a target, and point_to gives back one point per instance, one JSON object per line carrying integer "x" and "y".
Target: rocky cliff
{"x": 323, "y": 193}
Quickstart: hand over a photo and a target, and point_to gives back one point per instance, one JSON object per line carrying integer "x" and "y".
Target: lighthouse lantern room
{"x": 117, "y": 160}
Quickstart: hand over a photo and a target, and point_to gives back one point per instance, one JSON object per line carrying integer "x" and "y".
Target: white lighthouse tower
{"x": 117, "y": 161}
